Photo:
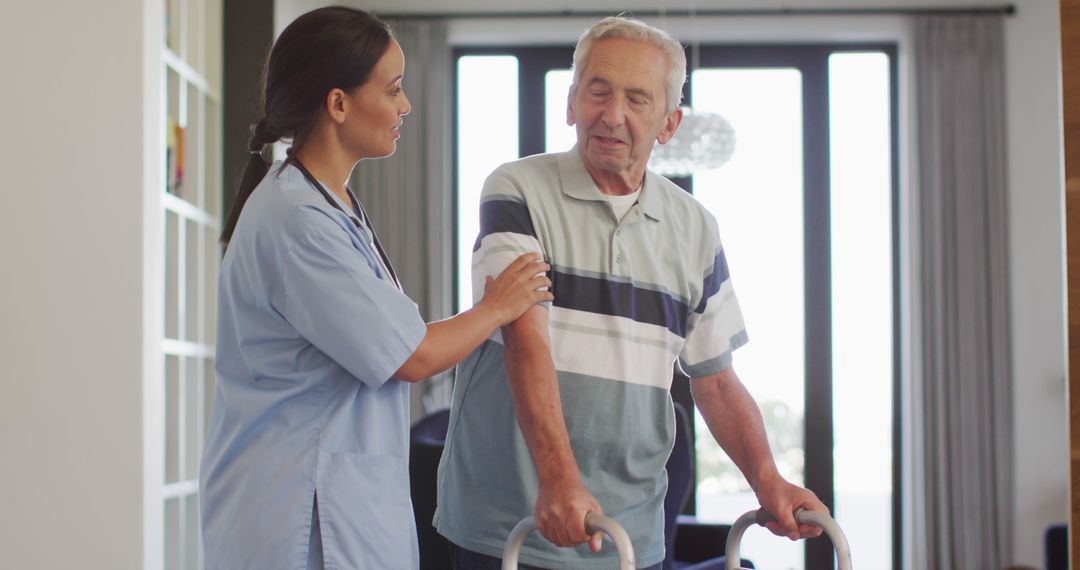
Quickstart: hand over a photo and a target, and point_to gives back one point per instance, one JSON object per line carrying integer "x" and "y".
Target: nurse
{"x": 306, "y": 457}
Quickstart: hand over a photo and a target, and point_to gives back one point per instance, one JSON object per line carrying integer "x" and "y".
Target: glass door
{"x": 757, "y": 198}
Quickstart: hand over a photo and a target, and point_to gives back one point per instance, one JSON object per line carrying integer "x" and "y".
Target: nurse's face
{"x": 374, "y": 109}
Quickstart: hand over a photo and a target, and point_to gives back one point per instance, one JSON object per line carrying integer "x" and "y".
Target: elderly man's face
{"x": 619, "y": 106}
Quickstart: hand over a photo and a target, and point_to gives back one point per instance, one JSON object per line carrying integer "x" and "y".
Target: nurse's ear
{"x": 335, "y": 105}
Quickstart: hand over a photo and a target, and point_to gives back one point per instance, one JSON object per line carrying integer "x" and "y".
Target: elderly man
{"x": 569, "y": 410}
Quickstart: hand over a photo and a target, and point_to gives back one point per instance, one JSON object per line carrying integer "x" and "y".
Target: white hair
{"x": 636, "y": 30}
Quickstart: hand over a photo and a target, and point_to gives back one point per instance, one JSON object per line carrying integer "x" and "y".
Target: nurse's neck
{"x": 325, "y": 158}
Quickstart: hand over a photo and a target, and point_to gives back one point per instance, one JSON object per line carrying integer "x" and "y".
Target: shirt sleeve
{"x": 715, "y": 327}
{"x": 335, "y": 300}
{"x": 506, "y": 230}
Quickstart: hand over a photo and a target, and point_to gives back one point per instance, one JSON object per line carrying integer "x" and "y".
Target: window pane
{"x": 558, "y": 136}
{"x": 174, "y": 132}
{"x": 172, "y": 419}
{"x": 172, "y": 275}
{"x": 195, "y": 32}
{"x": 192, "y": 280}
{"x": 209, "y": 391}
{"x": 211, "y": 261}
{"x": 859, "y": 102}
{"x": 192, "y": 548}
{"x": 189, "y": 152}
{"x": 172, "y": 25}
{"x": 193, "y": 429}
{"x": 212, "y": 141}
{"x": 757, "y": 198}
{"x": 172, "y": 534}
{"x": 487, "y": 137}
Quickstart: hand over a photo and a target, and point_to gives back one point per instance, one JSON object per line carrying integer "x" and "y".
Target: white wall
{"x": 71, "y": 260}
{"x": 1036, "y": 257}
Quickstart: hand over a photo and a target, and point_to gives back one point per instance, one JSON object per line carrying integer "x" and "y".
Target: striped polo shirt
{"x": 632, "y": 297}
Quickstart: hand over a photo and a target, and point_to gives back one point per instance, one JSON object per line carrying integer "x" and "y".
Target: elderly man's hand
{"x": 781, "y": 499}
{"x": 561, "y": 507}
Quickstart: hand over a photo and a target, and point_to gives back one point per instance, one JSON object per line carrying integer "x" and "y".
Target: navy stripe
{"x": 605, "y": 297}
{"x": 714, "y": 280}
{"x": 504, "y": 216}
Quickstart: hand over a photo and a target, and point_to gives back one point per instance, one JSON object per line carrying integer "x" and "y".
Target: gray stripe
{"x": 617, "y": 335}
{"x": 502, "y": 198}
{"x": 714, "y": 365}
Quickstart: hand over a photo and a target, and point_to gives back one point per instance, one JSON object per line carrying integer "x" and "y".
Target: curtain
{"x": 408, "y": 195}
{"x": 962, "y": 508}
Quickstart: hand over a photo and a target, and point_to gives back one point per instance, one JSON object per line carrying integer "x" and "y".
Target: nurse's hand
{"x": 521, "y": 285}
{"x": 507, "y": 297}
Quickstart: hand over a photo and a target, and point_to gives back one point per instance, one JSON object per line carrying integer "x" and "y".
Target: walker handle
{"x": 802, "y": 516}
{"x": 593, "y": 523}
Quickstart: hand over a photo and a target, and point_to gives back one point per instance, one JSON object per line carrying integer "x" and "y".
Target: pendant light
{"x": 704, "y": 141}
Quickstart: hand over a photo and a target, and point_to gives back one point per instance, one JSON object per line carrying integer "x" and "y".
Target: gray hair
{"x": 630, "y": 29}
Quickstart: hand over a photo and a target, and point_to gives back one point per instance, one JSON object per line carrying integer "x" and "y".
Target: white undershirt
{"x": 622, "y": 204}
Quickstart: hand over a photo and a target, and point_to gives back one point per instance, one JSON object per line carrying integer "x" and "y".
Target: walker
{"x": 595, "y": 522}
{"x": 802, "y": 516}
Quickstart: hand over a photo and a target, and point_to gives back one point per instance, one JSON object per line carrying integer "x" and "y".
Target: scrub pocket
{"x": 366, "y": 511}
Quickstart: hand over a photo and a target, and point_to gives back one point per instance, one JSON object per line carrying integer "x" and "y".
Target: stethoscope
{"x": 360, "y": 212}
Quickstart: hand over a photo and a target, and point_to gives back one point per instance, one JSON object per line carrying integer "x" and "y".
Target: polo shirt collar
{"x": 577, "y": 183}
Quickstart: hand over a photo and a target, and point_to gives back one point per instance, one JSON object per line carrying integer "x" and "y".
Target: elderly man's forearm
{"x": 535, "y": 390}
{"x": 736, "y": 423}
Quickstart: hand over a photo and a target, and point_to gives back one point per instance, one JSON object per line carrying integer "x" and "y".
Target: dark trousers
{"x": 463, "y": 559}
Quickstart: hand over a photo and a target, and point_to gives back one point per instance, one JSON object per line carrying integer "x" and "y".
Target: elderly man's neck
{"x": 618, "y": 183}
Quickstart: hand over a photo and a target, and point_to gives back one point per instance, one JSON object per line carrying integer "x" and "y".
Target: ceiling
{"x": 615, "y": 6}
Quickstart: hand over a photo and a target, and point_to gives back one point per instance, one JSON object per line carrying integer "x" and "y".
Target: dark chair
{"x": 427, "y": 438}
{"x": 690, "y": 544}
{"x": 680, "y": 472}
{"x": 1057, "y": 547}
{"x": 432, "y": 427}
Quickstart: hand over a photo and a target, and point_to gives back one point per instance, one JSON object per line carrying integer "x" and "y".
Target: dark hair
{"x": 327, "y": 48}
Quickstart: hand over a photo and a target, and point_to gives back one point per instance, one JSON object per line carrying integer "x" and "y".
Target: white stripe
{"x": 496, "y": 242}
{"x": 620, "y": 327}
{"x": 611, "y": 347}
{"x": 709, "y": 334}
{"x": 497, "y": 251}
{"x": 175, "y": 347}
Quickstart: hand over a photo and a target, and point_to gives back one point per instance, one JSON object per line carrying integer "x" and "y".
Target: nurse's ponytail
{"x": 254, "y": 172}
{"x": 327, "y": 48}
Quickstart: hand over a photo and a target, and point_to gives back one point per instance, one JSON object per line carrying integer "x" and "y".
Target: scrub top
{"x": 310, "y": 330}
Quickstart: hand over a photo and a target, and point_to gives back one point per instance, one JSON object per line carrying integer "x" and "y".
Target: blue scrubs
{"x": 310, "y": 329}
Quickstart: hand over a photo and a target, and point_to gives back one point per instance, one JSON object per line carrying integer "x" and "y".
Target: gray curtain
{"x": 408, "y": 195}
{"x": 962, "y": 512}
